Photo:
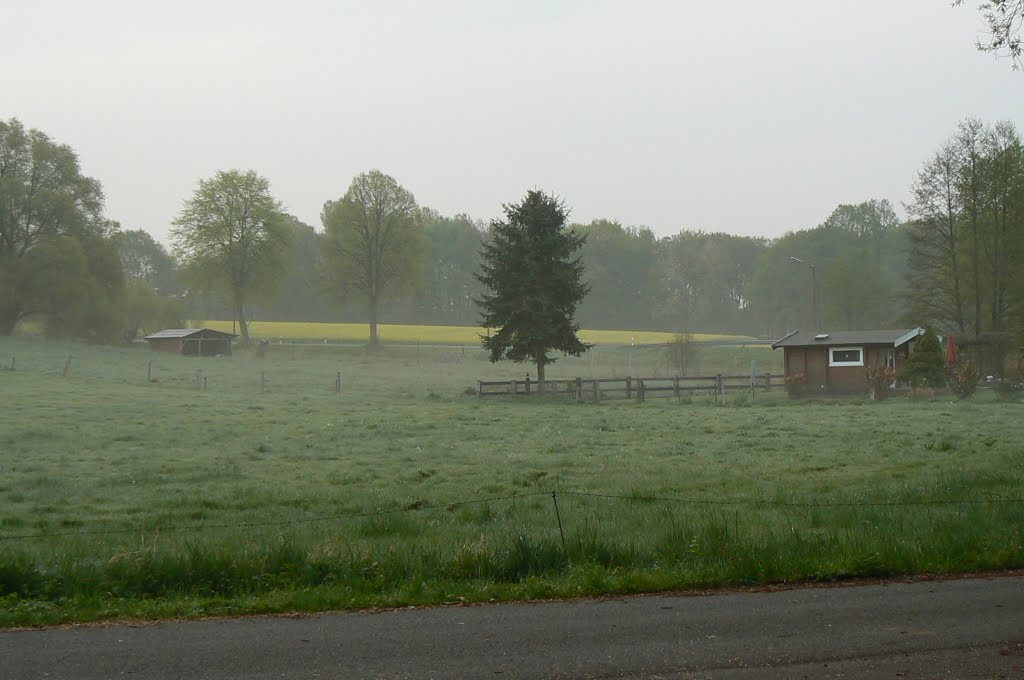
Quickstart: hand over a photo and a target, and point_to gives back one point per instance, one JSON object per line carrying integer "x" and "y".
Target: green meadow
{"x": 126, "y": 490}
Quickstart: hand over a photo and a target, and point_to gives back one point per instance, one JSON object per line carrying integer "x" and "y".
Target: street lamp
{"x": 814, "y": 291}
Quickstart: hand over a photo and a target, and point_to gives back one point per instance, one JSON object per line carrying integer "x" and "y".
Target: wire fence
{"x": 454, "y": 505}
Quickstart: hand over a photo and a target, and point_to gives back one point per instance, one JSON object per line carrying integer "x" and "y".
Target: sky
{"x": 747, "y": 117}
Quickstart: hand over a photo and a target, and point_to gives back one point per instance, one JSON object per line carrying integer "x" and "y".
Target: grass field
{"x": 122, "y": 497}
{"x": 436, "y": 335}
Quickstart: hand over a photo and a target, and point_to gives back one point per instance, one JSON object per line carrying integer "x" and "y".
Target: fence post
{"x": 479, "y": 388}
{"x": 199, "y": 378}
{"x": 558, "y": 516}
{"x": 337, "y": 382}
{"x": 597, "y": 391}
{"x": 719, "y": 385}
{"x": 515, "y": 387}
{"x": 263, "y": 379}
{"x": 67, "y": 365}
{"x": 149, "y": 371}
{"x": 579, "y": 389}
{"x": 640, "y": 392}
{"x": 675, "y": 386}
{"x": 527, "y": 384}
{"x": 629, "y": 388}
{"x": 768, "y": 381}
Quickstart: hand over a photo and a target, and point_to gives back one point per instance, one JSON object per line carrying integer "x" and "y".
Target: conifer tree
{"x": 925, "y": 365}
{"x": 533, "y": 282}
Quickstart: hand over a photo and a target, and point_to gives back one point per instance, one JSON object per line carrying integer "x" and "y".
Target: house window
{"x": 846, "y": 356}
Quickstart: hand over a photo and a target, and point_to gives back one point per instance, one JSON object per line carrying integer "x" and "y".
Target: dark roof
{"x": 188, "y": 332}
{"x": 894, "y": 338}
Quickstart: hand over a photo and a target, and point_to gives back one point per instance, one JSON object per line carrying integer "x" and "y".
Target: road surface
{"x": 971, "y": 628}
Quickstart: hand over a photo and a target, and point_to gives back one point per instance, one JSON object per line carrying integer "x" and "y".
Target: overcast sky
{"x": 747, "y": 116}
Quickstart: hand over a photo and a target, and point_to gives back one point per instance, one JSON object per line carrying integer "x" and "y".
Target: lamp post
{"x": 814, "y": 291}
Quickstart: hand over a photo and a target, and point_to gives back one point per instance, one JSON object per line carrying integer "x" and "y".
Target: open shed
{"x": 201, "y": 342}
{"x": 838, "y": 362}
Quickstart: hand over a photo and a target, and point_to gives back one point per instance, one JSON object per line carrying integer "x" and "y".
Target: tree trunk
{"x": 540, "y": 378}
{"x": 243, "y": 327}
{"x": 374, "y": 310}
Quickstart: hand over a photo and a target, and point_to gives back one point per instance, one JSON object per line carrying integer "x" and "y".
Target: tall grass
{"x": 157, "y": 499}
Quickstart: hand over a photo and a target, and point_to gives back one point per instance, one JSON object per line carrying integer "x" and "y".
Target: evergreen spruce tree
{"x": 925, "y": 367}
{"x": 533, "y": 282}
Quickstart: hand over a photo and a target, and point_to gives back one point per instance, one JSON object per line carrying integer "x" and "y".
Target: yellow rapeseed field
{"x": 430, "y": 335}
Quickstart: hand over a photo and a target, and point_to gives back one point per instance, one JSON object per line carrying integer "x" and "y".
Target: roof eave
{"x": 917, "y": 332}
{"x": 777, "y": 343}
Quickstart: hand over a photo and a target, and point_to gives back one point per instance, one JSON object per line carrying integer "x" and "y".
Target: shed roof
{"x": 894, "y": 338}
{"x": 189, "y": 332}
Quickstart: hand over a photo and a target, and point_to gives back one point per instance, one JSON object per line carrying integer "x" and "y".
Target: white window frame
{"x": 833, "y": 362}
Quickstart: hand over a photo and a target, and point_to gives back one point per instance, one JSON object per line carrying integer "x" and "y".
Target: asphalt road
{"x": 971, "y": 628}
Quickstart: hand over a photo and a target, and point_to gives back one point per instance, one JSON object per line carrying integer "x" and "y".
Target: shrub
{"x": 681, "y": 353}
{"x": 925, "y": 367}
{"x": 1010, "y": 386}
{"x": 796, "y": 384}
{"x": 881, "y": 378}
{"x": 964, "y": 380}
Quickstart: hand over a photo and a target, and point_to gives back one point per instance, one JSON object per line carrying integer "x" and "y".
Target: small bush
{"x": 964, "y": 380}
{"x": 796, "y": 384}
{"x": 1010, "y": 387}
{"x": 881, "y": 379}
{"x": 681, "y": 353}
{"x": 925, "y": 367}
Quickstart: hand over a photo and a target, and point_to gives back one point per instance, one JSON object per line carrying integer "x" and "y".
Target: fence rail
{"x": 597, "y": 389}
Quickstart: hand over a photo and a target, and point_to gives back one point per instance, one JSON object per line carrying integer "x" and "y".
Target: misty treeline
{"x": 378, "y": 256}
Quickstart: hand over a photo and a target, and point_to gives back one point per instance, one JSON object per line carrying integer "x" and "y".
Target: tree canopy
{"x": 966, "y": 241}
{"x": 1004, "y": 20}
{"x": 372, "y": 242}
{"x": 533, "y": 280}
{"x": 231, "y": 236}
{"x": 56, "y": 258}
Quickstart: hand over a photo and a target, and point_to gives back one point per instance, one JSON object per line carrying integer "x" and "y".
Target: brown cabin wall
{"x": 171, "y": 345}
{"x": 825, "y": 379}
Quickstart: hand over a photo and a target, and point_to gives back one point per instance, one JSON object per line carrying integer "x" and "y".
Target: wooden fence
{"x": 641, "y": 389}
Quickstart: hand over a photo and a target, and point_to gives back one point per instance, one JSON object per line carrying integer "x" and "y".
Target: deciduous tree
{"x": 533, "y": 280}
{"x": 231, "y": 237}
{"x": 57, "y": 261}
{"x": 1004, "y": 19}
{"x": 372, "y": 242}
{"x": 144, "y": 258}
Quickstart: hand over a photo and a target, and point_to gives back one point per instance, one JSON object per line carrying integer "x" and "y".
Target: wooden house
{"x": 838, "y": 362}
{"x": 203, "y": 342}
